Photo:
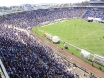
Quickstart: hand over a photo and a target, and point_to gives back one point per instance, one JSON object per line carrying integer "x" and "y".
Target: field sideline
{"x": 83, "y": 34}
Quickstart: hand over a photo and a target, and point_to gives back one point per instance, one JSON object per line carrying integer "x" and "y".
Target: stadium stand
{"x": 96, "y": 2}
{"x": 25, "y": 57}
{"x": 95, "y": 13}
{"x": 32, "y": 59}
{"x": 22, "y": 19}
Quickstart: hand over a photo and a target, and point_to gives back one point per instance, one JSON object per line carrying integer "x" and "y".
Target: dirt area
{"x": 78, "y": 61}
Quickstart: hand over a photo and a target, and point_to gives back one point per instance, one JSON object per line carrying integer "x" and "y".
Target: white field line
{"x": 66, "y": 42}
{"x": 47, "y": 25}
{"x": 60, "y": 39}
{"x": 91, "y": 33}
{"x": 28, "y": 33}
{"x": 53, "y": 23}
{"x": 68, "y": 58}
{"x": 72, "y": 45}
{"x": 40, "y": 30}
{"x": 56, "y": 50}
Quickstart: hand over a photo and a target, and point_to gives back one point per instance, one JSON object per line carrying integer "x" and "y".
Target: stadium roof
{"x": 19, "y": 2}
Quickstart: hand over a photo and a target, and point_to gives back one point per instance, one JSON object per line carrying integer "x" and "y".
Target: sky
{"x": 19, "y": 2}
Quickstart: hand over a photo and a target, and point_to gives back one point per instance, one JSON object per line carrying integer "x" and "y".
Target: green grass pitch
{"x": 83, "y": 34}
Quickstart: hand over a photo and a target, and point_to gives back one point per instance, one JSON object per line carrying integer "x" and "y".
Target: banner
{"x": 85, "y": 54}
{"x": 98, "y": 59}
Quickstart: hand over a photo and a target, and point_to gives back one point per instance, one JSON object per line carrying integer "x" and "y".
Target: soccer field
{"x": 83, "y": 34}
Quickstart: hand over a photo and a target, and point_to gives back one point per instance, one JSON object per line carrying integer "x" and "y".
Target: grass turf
{"x": 83, "y": 34}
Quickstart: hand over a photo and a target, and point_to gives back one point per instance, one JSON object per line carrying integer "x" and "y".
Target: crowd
{"x": 33, "y": 18}
{"x": 95, "y": 13}
{"x": 97, "y": 4}
{"x": 24, "y": 56}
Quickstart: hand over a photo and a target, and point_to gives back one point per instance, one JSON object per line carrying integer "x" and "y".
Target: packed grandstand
{"x": 24, "y": 56}
{"x": 97, "y": 2}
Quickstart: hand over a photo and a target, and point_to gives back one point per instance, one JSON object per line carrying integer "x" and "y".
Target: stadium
{"x": 97, "y": 2}
{"x": 29, "y": 48}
